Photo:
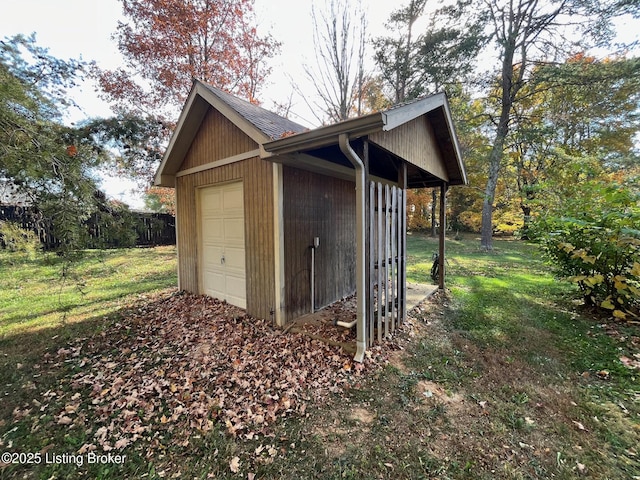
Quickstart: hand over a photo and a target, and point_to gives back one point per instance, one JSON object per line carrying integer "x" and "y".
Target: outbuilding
{"x": 282, "y": 220}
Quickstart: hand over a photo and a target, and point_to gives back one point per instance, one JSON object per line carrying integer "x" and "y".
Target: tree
{"x": 397, "y": 56}
{"x": 168, "y": 43}
{"x": 160, "y": 200}
{"x": 338, "y": 76}
{"x": 49, "y": 162}
{"x": 525, "y": 33}
{"x": 583, "y": 107}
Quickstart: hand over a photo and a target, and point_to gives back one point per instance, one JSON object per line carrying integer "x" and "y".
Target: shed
{"x": 282, "y": 220}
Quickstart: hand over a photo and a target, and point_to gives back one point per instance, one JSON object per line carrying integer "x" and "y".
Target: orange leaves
{"x": 168, "y": 43}
{"x": 72, "y": 150}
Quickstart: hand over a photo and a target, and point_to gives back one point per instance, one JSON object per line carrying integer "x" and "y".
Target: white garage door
{"x": 222, "y": 243}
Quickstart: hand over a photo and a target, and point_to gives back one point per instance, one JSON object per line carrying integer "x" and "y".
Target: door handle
{"x": 222, "y": 260}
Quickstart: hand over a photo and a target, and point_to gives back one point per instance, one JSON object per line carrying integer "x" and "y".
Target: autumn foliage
{"x": 168, "y": 43}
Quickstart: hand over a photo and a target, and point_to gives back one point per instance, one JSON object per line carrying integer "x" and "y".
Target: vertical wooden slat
{"x": 443, "y": 228}
{"x": 387, "y": 253}
{"x": 394, "y": 216}
{"x": 317, "y": 206}
{"x": 380, "y": 257}
{"x": 371, "y": 273}
{"x": 403, "y": 252}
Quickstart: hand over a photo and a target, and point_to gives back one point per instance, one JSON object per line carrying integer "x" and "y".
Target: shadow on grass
{"x": 91, "y": 301}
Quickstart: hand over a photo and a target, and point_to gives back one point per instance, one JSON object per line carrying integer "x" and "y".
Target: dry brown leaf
{"x": 579, "y": 425}
{"x": 234, "y": 464}
{"x": 64, "y": 420}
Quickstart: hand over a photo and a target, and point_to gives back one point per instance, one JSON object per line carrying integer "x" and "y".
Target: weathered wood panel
{"x": 218, "y": 138}
{"x": 414, "y": 141}
{"x": 256, "y": 175}
{"x": 317, "y": 206}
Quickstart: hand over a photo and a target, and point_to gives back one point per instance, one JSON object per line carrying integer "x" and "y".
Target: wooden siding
{"x": 317, "y": 206}
{"x": 217, "y": 139}
{"x": 258, "y": 203}
{"x": 414, "y": 141}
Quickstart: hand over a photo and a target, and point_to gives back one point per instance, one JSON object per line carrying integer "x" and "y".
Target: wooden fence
{"x": 386, "y": 296}
{"x": 150, "y": 228}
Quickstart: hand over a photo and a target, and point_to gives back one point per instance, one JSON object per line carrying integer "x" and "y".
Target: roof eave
{"x": 456, "y": 144}
{"x": 324, "y": 136}
{"x": 397, "y": 116}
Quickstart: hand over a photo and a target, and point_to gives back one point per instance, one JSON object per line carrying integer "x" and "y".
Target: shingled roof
{"x": 259, "y": 124}
{"x": 269, "y": 123}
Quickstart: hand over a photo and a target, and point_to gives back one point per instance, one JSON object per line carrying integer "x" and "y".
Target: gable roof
{"x": 435, "y": 107}
{"x": 276, "y": 135}
{"x": 259, "y": 124}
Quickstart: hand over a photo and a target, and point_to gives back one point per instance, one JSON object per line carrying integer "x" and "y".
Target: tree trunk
{"x": 508, "y": 92}
{"x": 495, "y": 161}
{"x": 526, "y": 220}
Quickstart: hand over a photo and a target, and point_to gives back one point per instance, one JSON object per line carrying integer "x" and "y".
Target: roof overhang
{"x": 436, "y": 106}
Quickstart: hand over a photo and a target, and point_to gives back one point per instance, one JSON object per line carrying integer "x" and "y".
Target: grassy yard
{"x": 501, "y": 377}
{"x": 42, "y": 295}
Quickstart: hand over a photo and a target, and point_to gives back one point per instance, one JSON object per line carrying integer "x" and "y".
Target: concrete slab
{"x": 418, "y": 292}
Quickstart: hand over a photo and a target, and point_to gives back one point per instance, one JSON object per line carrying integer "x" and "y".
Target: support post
{"x": 402, "y": 245}
{"x": 443, "y": 228}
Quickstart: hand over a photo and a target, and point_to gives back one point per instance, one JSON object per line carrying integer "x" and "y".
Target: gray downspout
{"x": 361, "y": 344}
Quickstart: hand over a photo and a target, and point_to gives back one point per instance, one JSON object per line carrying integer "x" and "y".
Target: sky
{"x": 83, "y": 29}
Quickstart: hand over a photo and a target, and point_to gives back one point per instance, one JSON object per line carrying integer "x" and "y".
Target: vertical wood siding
{"x": 214, "y": 141}
{"x": 414, "y": 141}
{"x": 317, "y": 206}
{"x": 218, "y": 138}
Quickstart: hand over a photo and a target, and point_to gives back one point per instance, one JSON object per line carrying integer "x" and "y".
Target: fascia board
{"x": 324, "y": 136}
{"x": 400, "y": 115}
{"x": 456, "y": 144}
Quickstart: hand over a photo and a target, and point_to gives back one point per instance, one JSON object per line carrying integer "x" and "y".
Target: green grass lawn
{"x": 502, "y": 377}
{"x": 43, "y": 293}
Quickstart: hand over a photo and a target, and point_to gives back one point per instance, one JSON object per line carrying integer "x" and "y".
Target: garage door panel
{"x": 222, "y": 243}
{"x": 234, "y": 230}
{"x": 233, "y": 199}
{"x": 236, "y": 290}
{"x": 213, "y": 230}
{"x": 234, "y": 259}
{"x": 210, "y": 200}
{"x": 215, "y": 283}
{"x": 212, "y": 255}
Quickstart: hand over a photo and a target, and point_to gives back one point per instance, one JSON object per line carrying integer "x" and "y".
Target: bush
{"x": 112, "y": 226}
{"x": 19, "y": 240}
{"x": 597, "y": 247}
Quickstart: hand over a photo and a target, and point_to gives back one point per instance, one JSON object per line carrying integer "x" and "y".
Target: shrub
{"x": 597, "y": 247}
{"x": 19, "y": 240}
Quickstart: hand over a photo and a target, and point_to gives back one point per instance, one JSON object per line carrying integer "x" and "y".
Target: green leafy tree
{"x": 397, "y": 56}
{"x": 525, "y": 33}
{"x": 583, "y": 107}
{"x": 49, "y": 162}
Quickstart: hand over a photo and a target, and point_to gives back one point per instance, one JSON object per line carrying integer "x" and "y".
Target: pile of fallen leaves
{"x": 177, "y": 366}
